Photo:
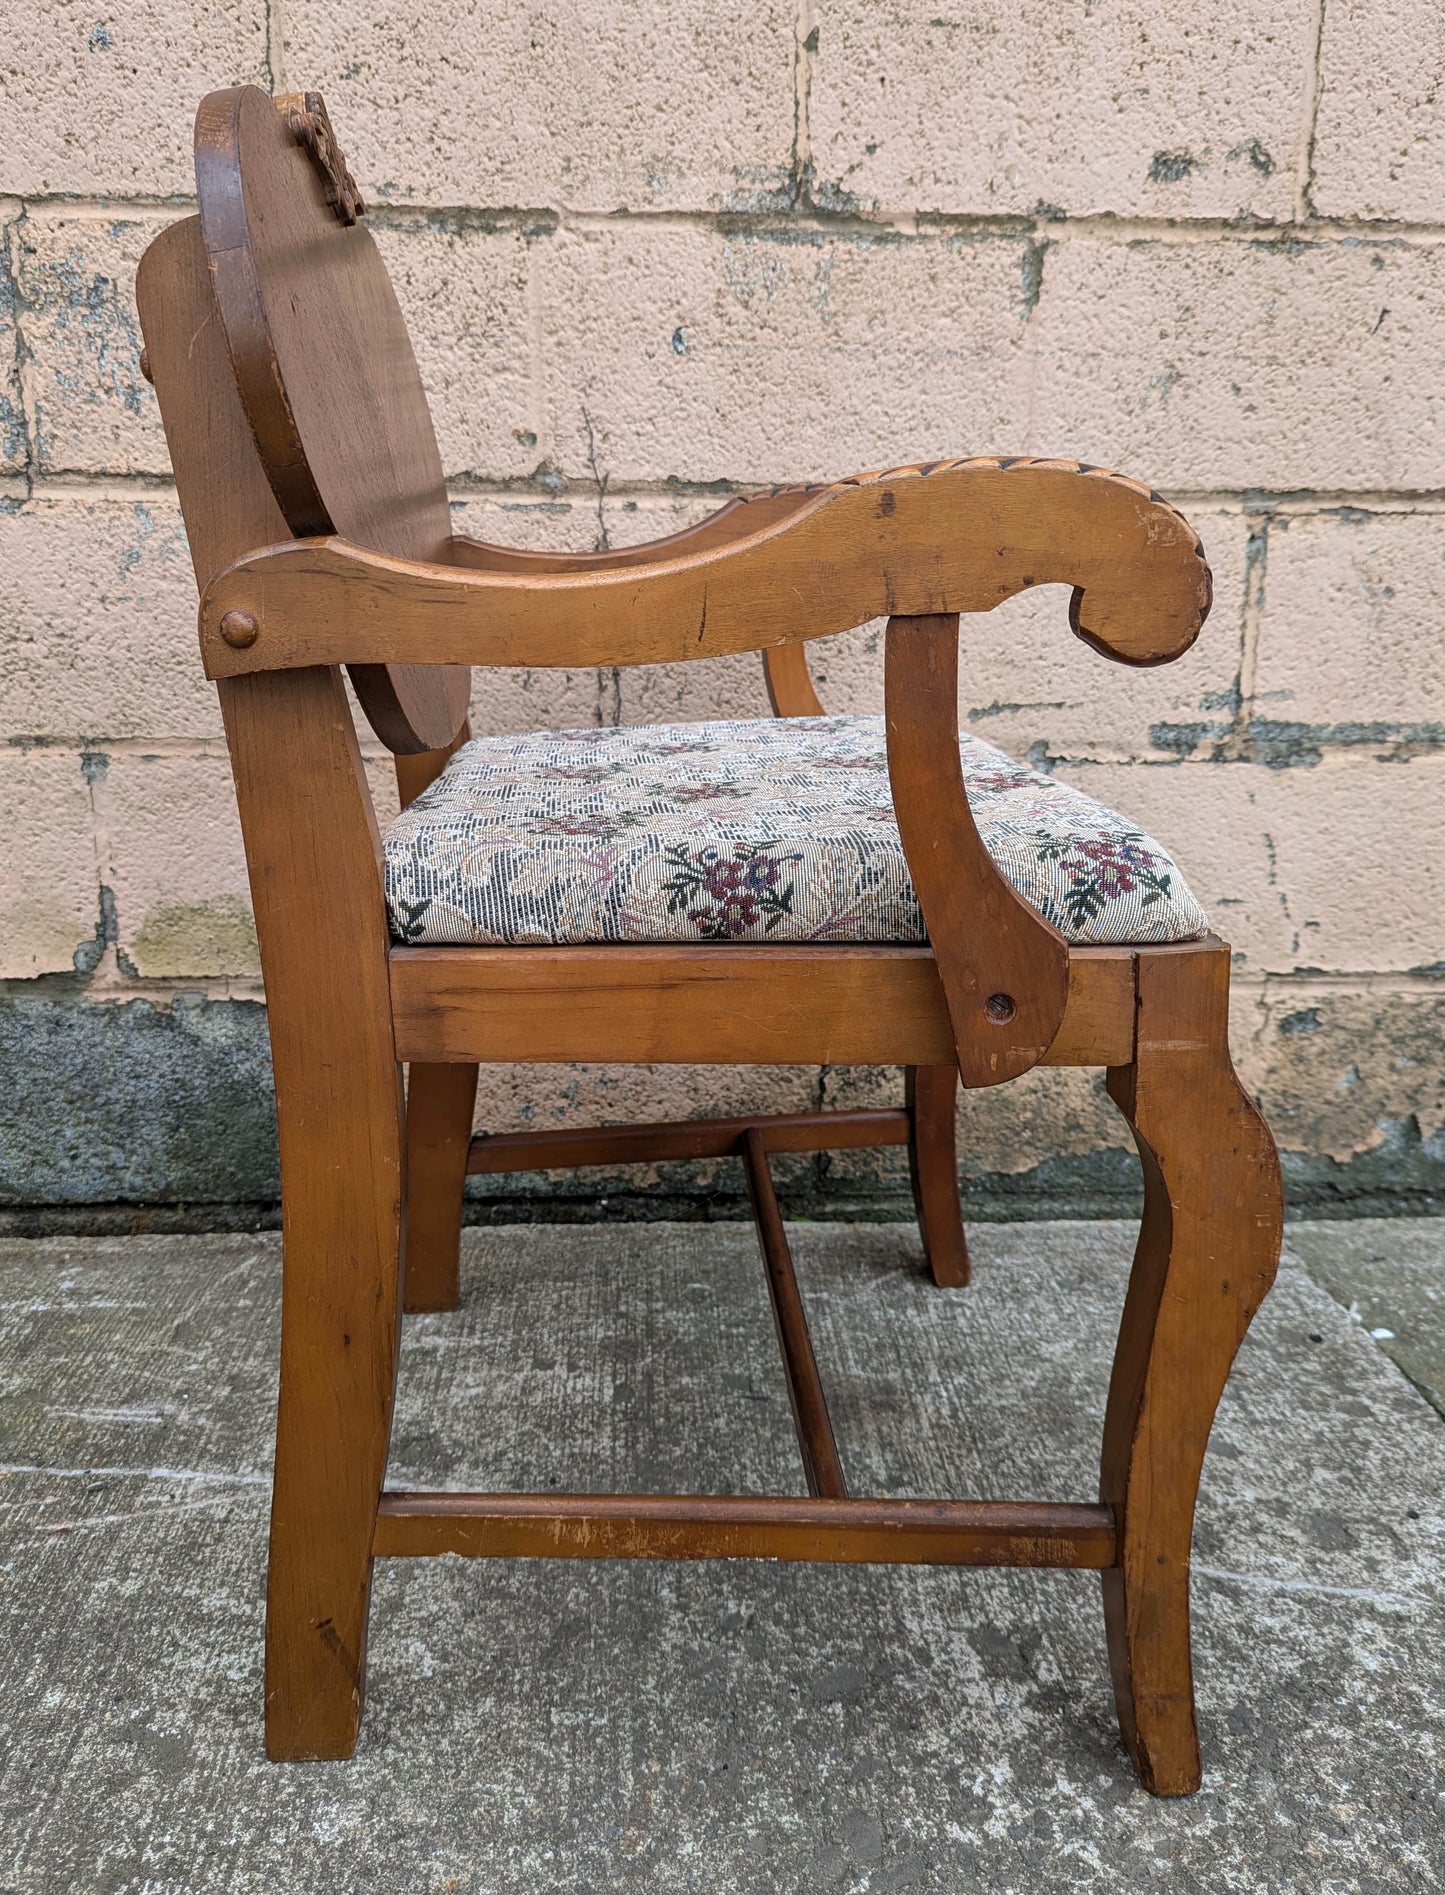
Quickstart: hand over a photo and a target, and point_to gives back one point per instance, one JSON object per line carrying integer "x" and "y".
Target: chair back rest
{"x": 323, "y": 366}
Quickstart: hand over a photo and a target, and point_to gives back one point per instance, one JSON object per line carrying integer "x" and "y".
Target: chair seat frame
{"x": 376, "y": 1046}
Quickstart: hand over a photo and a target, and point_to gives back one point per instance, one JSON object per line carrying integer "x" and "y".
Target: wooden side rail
{"x": 955, "y": 536}
{"x": 494, "y": 1154}
{"x": 706, "y": 1005}
{"x": 727, "y": 1526}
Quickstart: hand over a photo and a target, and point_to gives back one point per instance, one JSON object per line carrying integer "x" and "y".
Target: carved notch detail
{"x": 306, "y": 114}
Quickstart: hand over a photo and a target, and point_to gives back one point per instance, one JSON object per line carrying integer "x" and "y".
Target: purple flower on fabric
{"x": 726, "y": 892}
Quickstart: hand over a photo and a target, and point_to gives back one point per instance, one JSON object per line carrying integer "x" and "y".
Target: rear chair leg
{"x": 933, "y": 1168}
{"x": 1207, "y": 1253}
{"x": 340, "y": 1319}
{"x": 439, "y": 1105}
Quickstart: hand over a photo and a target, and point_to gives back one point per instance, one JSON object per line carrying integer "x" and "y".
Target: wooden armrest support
{"x": 1004, "y": 969}
{"x": 955, "y": 536}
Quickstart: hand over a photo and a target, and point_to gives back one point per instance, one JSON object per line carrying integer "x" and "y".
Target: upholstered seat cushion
{"x": 765, "y": 830}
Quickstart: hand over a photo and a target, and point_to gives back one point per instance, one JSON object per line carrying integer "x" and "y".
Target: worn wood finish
{"x": 822, "y": 1469}
{"x": 931, "y": 1092}
{"x": 325, "y": 372}
{"x": 206, "y": 430}
{"x": 1207, "y": 1253}
{"x": 314, "y": 886}
{"x": 660, "y": 1143}
{"x": 420, "y": 770}
{"x": 791, "y": 691}
{"x": 440, "y": 1101}
{"x": 727, "y": 1526}
{"x": 952, "y": 537}
{"x": 297, "y": 409}
{"x": 722, "y": 1006}
{"x": 1005, "y": 970}
{"x": 313, "y": 856}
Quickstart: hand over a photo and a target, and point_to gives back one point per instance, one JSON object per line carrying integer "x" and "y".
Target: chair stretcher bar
{"x": 692, "y": 1138}
{"x": 727, "y": 1526}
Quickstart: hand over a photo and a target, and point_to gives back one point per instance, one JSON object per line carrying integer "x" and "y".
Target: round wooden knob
{"x": 239, "y": 629}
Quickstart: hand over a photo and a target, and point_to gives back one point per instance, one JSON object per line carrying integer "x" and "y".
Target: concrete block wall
{"x": 656, "y": 254}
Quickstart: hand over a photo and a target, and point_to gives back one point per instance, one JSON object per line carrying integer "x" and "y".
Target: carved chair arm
{"x": 957, "y": 536}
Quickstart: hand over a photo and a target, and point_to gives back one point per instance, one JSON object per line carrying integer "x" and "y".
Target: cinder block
{"x": 91, "y": 411}
{"x": 171, "y": 842}
{"x": 1355, "y": 846}
{"x": 1213, "y": 821}
{"x": 596, "y": 107}
{"x": 1050, "y": 1114}
{"x": 1245, "y": 363}
{"x": 1346, "y": 1073}
{"x": 464, "y": 295}
{"x": 1379, "y": 145}
{"x": 682, "y": 352}
{"x": 49, "y": 886}
{"x": 1329, "y": 865}
{"x": 1127, "y": 108}
{"x": 98, "y": 623}
{"x": 1350, "y": 646}
{"x": 102, "y": 102}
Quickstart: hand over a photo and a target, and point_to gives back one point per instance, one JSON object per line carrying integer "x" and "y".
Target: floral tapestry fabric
{"x": 760, "y": 830}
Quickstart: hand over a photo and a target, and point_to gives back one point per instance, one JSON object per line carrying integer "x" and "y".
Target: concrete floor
{"x": 537, "y": 1727}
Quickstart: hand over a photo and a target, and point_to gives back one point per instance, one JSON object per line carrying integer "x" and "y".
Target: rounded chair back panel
{"x": 324, "y": 366}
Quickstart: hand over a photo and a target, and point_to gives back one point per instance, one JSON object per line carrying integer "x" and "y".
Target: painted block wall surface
{"x": 653, "y": 255}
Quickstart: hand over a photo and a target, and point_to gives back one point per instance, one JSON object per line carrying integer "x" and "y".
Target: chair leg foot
{"x": 439, "y": 1105}
{"x": 1207, "y": 1253}
{"x": 340, "y": 1324}
{"x": 933, "y": 1169}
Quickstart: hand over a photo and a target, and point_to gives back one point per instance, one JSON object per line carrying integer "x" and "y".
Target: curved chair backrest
{"x": 324, "y": 367}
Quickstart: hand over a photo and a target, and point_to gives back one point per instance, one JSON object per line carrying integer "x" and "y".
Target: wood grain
{"x": 727, "y": 1526}
{"x": 750, "y": 1006}
{"x": 295, "y": 407}
{"x": 313, "y": 865}
{"x": 313, "y": 857}
{"x": 1005, "y": 970}
{"x": 661, "y": 1143}
{"x": 1207, "y": 1253}
{"x": 745, "y": 514}
{"x": 931, "y": 1094}
{"x": 326, "y": 376}
{"x": 791, "y": 691}
{"x": 822, "y": 1469}
{"x": 956, "y": 537}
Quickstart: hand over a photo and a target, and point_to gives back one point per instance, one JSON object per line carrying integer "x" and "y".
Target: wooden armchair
{"x": 319, "y": 525}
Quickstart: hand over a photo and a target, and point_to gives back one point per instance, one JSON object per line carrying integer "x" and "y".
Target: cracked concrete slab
{"x": 729, "y": 1726}
{"x": 1390, "y": 1274}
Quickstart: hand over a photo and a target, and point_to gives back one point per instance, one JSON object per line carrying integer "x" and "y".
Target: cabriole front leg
{"x": 1207, "y": 1253}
